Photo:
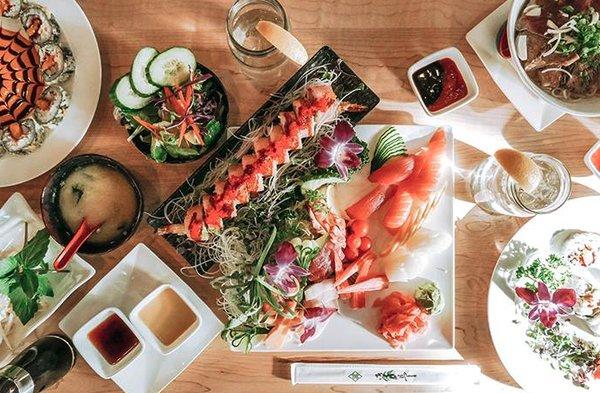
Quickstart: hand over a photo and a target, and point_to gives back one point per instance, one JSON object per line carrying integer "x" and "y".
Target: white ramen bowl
{"x": 589, "y": 107}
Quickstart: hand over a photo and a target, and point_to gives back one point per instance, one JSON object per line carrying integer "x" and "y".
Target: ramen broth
{"x": 103, "y": 196}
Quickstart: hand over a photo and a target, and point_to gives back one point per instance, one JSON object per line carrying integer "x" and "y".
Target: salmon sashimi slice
{"x": 29, "y": 58}
{"x": 368, "y": 204}
{"x": 395, "y": 170}
{"x": 32, "y": 75}
{"x": 398, "y": 210}
{"x": 18, "y": 45}
{"x": 29, "y": 92}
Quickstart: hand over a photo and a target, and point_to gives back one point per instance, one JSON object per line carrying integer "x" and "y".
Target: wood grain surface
{"x": 379, "y": 39}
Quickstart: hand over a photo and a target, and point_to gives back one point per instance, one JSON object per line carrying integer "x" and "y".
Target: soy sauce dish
{"x": 98, "y": 189}
{"x": 443, "y": 82}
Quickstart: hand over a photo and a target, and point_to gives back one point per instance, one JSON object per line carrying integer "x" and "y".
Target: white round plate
{"x": 84, "y": 87}
{"x": 528, "y": 369}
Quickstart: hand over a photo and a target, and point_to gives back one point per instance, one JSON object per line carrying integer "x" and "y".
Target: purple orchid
{"x": 312, "y": 319}
{"x": 284, "y": 273}
{"x": 339, "y": 151}
{"x": 547, "y": 307}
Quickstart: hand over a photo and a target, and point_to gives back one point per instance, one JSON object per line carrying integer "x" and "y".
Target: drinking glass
{"x": 497, "y": 193}
{"x": 258, "y": 58}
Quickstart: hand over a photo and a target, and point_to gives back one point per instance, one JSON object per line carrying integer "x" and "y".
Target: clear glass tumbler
{"x": 497, "y": 193}
{"x": 258, "y": 58}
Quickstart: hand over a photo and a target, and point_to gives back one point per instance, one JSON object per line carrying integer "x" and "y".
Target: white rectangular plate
{"x": 138, "y": 274}
{"x": 483, "y": 40}
{"x": 13, "y": 216}
{"x": 345, "y": 335}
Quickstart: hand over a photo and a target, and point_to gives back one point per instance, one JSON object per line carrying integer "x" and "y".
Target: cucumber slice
{"x": 390, "y": 144}
{"x": 139, "y": 80}
{"x": 123, "y": 96}
{"x": 172, "y": 67}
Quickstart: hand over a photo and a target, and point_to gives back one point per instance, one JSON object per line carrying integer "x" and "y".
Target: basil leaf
{"x": 213, "y": 131}
{"x": 23, "y": 306}
{"x": 8, "y": 266}
{"x": 5, "y": 284}
{"x": 29, "y": 282}
{"x": 44, "y": 288}
{"x": 34, "y": 251}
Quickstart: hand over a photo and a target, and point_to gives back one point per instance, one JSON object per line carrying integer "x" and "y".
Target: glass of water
{"x": 497, "y": 193}
{"x": 258, "y": 58}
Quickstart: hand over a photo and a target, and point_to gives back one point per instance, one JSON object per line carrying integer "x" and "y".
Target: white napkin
{"x": 381, "y": 374}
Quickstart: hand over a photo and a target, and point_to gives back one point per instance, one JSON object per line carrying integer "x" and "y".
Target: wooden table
{"x": 380, "y": 39}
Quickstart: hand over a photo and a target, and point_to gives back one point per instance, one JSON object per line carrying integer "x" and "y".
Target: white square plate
{"x": 15, "y": 212}
{"x": 136, "y": 276}
{"x": 343, "y": 334}
{"x": 483, "y": 40}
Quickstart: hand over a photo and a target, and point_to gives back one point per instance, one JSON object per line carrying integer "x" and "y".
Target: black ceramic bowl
{"x": 221, "y": 116}
{"x": 51, "y": 214}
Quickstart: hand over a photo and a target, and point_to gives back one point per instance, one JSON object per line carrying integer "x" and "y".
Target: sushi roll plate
{"x": 60, "y": 75}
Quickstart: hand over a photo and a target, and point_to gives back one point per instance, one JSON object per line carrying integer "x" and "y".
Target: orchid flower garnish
{"x": 339, "y": 151}
{"x": 312, "y": 319}
{"x": 284, "y": 273}
{"x": 545, "y": 306}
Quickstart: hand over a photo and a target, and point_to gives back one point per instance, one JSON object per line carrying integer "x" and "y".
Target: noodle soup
{"x": 558, "y": 45}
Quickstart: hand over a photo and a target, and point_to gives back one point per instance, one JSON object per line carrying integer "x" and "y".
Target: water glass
{"x": 497, "y": 193}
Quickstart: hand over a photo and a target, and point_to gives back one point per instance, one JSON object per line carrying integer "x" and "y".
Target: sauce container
{"x": 592, "y": 159}
{"x": 166, "y": 318}
{"x": 462, "y": 77}
{"x": 108, "y": 342}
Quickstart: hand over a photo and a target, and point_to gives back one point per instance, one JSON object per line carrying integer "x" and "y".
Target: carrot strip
{"x": 376, "y": 283}
{"x": 147, "y": 125}
{"x": 359, "y": 299}
{"x": 196, "y": 131}
{"x": 182, "y": 129}
{"x": 353, "y": 268}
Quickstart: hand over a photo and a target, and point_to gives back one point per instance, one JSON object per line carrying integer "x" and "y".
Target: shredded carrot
{"x": 147, "y": 125}
{"x": 359, "y": 299}
{"x": 196, "y": 131}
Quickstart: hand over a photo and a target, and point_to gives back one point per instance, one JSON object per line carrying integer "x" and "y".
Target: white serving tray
{"x": 130, "y": 281}
{"x": 342, "y": 334}
{"x": 15, "y": 212}
{"x": 482, "y": 38}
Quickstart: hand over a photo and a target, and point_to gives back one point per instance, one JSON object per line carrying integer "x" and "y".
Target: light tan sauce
{"x": 101, "y": 195}
{"x": 168, "y": 316}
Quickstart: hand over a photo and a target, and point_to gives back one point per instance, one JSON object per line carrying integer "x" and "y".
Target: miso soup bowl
{"x": 51, "y": 213}
{"x": 589, "y": 107}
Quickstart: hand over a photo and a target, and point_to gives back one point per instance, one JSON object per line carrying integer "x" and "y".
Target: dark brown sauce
{"x": 113, "y": 339}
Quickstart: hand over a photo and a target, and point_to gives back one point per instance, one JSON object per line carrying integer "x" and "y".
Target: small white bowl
{"x": 588, "y": 159}
{"x": 462, "y": 65}
{"x": 149, "y": 335}
{"x": 93, "y": 357}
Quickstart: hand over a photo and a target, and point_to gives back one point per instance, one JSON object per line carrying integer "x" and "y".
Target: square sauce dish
{"x": 108, "y": 342}
{"x": 166, "y": 318}
{"x": 443, "y": 82}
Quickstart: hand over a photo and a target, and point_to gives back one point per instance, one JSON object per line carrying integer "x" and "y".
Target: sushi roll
{"x": 10, "y": 8}
{"x": 57, "y": 63}
{"x": 23, "y": 137}
{"x": 51, "y": 106}
{"x": 39, "y": 24}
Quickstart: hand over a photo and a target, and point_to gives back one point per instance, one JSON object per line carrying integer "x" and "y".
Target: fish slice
{"x": 284, "y": 41}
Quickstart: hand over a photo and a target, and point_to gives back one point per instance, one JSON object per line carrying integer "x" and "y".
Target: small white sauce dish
{"x": 93, "y": 357}
{"x": 147, "y": 332}
{"x": 588, "y": 159}
{"x": 455, "y": 55}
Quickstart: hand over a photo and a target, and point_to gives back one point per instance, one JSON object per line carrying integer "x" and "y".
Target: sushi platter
{"x": 232, "y": 213}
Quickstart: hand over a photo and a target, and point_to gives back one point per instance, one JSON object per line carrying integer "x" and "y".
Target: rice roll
{"x": 22, "y": 137}
{"x": 51, "y": 106}
{"x": 57, "y": 63}
{"x": 39, "y": 24}
{"x": 10, "y": 8}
